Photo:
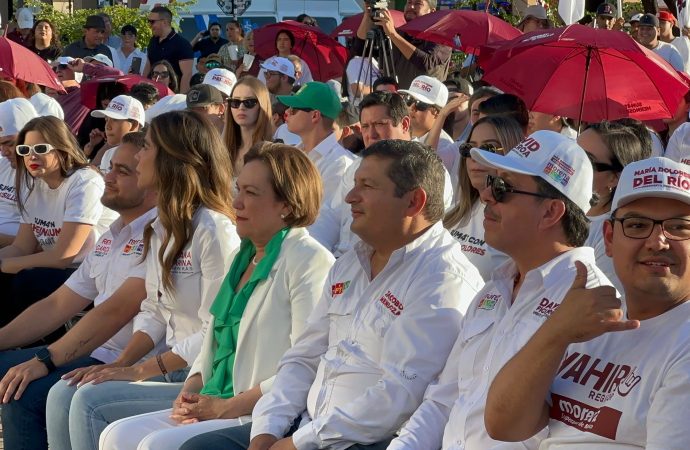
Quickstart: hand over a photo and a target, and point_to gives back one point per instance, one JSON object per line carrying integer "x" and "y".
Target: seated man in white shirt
{"x": 388, "y": 316}
{"x": 311, "y": 113}
{"x": 602, "y": 375}
{"x": 535, "y": 213}
{"x": 111, "y": 277}
{"x": 14, "y": 114}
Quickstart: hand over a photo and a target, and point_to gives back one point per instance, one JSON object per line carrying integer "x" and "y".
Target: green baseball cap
{"x": 314, "y": 95}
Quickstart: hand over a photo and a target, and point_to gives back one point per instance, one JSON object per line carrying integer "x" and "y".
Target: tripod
{"x": 376, "y": 43}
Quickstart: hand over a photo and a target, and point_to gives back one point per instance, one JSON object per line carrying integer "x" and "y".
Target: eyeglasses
{"x": 466, "y": 147}
{"x": 499, "y": 189}
{"x": 418, "y": 105}
{"x": 248, "y": 103}
{"x": 293, "y": 110}
{"x": 642, "y": 227}
{"x": 271, "y": 73}
{"x": 604, "y": 167}
{"x": 38, "y": 149}
{"x": 164, "y": 74}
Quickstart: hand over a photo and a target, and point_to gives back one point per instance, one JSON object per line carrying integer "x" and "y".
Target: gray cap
{"x": 203, "y": 95}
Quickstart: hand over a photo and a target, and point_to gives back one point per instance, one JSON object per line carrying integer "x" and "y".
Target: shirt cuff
{"x": 305, "y": 438}
{"x": 263, "y": 425}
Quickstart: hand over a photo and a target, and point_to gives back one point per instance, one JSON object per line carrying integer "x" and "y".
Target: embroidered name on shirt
{"x": 103, "y": 247}
{"x": 606, "y": 378}
{"x": 391, "y": 303}
{"x": 489, "y": 302}
{"x": 545, "y": 308}
{"x": 134, "y": 247}
{"x": 339, "y": 288}
{"x": 183, "y": 263}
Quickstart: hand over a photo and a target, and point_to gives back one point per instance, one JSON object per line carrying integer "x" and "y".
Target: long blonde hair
{"x": 193, "y": 169}
{"x": 263, "y": 129}
{"x": 509, "y": 133}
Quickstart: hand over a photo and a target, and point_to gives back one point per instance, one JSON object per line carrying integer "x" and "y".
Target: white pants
{"x": 157, "y": 431}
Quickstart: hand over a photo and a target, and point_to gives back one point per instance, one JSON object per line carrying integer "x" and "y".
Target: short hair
{"x": 9, "y": 91}
{"x": 294, "y": 178}
{"x": 306, "y": 19}
{"x": 506, "y": 104}
{"x": 384, "y": 80}
{"x": 164, "y": 12}
{"x": 413, "y": 165}
{"x": 289, "y": 35}
{"x": 642, "y": 133}
{"x": 394, "y": 103}
{"x": 483, "y": 92}
{"x": 135, "y": 138}
{"x": 279, "y": 108}
{"x": 146, "y": 93}
{"x": 574, "y": 222}
{"x": 214, "y": 24}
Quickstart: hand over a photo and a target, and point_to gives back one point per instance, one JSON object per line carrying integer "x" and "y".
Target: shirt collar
{"x": 325, "y": 147}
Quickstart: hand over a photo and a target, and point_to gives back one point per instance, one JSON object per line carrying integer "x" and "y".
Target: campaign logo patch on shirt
{"x": 134, "y": 247}
{"x": 339, "y": 288}
{"x": 183, "y": 264}
{"x": 489, "y": 302}
{"x": 392, "y": 303}
{"x": 601, "y": 421}
{"x": 103, "y": 247}
{"x": 545, "y": 308}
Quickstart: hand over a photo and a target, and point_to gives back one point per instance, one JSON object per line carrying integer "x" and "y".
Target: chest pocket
{"x": 477, "y": 346}
{"x": 340, "y": 316}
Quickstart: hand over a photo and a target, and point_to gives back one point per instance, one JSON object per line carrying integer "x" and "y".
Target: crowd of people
{"x": 231, "y": 255}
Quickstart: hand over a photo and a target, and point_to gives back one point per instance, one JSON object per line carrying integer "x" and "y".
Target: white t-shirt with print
{"x": 77, "y": 199}
{"x": 625, "y": 390}
{"x": 9, "y": 212}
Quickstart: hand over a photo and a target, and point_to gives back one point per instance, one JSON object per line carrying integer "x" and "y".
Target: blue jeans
{"x": 76, "y": 417}
{"x": 24, "y": 420}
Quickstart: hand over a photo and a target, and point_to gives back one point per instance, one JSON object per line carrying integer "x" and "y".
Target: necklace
{"x": 254, "y": 261}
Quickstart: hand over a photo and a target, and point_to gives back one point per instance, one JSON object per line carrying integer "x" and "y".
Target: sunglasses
{"x": 603, "y": 167}
{"x": 38, "y": 149}
{"x": 499, "y": 189}
{"x": 466, "y": 147}
{"x": 213, "y": 65}
{"x": 418, "y": 105}
{"x": 165, "y": 74}
{"x": 293, "y": 110}
{"x": 248, "y": 103}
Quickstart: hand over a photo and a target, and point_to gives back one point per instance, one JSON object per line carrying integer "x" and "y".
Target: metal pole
{"x": 584, "y": 89}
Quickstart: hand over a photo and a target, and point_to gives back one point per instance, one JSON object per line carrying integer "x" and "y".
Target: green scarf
{"x": 228, "y": 308}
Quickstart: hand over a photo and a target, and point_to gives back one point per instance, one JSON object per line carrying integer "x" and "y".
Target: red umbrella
{"x": 89, "y": 89}
{"x": 325, "y": 56}
{"x": 348, "y": 27}
{"x": 461, "y": 29}
{"x": 585, "y": 73}
{"x": 18, "y": 62}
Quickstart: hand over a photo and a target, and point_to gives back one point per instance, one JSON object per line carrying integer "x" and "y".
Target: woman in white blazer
{"x": 278, "y": 194}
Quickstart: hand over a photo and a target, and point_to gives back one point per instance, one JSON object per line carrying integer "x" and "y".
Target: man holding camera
{"x": 411, "y": 57}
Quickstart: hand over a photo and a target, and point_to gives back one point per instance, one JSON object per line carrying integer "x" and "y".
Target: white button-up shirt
{"x": 332, "y": 160}
{"x": 492, "y": 332}
{"x": 371, "y": 347}
{"x": 116, "y": 256}
{"x": 124, "y": 63}
{"x": 180, "y": 316}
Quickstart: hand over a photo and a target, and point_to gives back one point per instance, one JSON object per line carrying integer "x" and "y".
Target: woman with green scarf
{"x": 275, "y": 279}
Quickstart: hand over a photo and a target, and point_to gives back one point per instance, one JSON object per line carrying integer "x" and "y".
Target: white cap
{"x": 14, "y": 114}
{"x": 551, "y": 156}
{"x": 101, "y": 58}
{"x": 64, "y": 59}
{"x": 47, "y": 106}
{"x": 221, "y": 79}
{"x": 279, "y": 64}
{"x": 428, "y": 90}
{"x": 635, "y": 18}
{"x": 678, "y": 148}
{"x": 175, "y": 102}
{"x": 25, "y": 18}
{"x": 123, "y": 107}
{"x": 652, "y": 177}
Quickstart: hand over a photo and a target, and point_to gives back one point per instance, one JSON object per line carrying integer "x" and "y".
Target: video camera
{"x": 376, "y": 6}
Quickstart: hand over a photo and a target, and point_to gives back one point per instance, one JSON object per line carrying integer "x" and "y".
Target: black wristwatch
{"x": 43, "y": 355}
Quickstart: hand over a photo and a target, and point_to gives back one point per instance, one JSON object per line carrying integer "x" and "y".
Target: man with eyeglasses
{"x": 602, "y": 375}
{"x": 279, "y": 75}
{"x": 166, "y": 44}
{"x": 535, "y": 213}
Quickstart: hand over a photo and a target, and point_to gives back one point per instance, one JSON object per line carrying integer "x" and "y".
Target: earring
{"x": 282, "y": 216}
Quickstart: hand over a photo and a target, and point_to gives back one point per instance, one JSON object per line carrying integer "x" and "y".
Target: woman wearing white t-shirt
{"x": 58, "y": 196}
{"x": 187, "y": 251}
{"x": 610, "y": 146}
{"x": 466, "y": 220}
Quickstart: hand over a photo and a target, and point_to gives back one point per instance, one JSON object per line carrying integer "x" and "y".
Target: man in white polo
{"x": 535, "y": 213}
{"x": 425, "y": 98}
{"x": 603, "y": 376}
{"x": 14, "y": 114}
{"x": 123, "y": 115}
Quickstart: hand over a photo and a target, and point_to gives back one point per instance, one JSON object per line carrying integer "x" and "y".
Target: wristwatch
{"x": 43, "y": 355}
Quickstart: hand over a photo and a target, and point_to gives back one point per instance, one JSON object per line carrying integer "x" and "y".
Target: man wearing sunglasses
{"x": 425, "y": 98}
{"x": 166, "y": 44}
{"x": 564, "y": 370}
{"x": 535, "y": 213}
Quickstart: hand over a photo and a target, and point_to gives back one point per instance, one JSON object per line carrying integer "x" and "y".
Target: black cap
{"x": 95, "y": 22}
{"x": 128, "y": 29}
{"x": 649, "y": 20}
{"x": 606, "y": 9}
{"x": 203, "y": 95}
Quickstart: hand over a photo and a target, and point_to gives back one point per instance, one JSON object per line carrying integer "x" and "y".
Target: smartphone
{"x": 136, "y": 65}
{"x": 206, "y": 33}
